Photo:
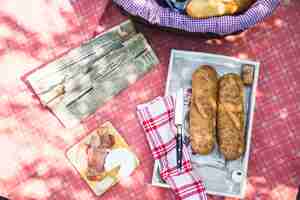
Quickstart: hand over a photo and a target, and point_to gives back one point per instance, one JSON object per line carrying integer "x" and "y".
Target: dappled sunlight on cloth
{"x": 242, "y": 56}
{"x": 9, "y": 170}
{"x": 33, "y": 33}
{"x": 34, "y": 142}
{"x": 35, "y": 188}
{"x": 16, "y": 63}
{"x": 283, "y": 192}
{"x": 126, "y": 182}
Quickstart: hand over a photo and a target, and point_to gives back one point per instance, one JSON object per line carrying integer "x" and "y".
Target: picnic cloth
{"x": 157, "y": 119}
{"x": 33, "y": 162}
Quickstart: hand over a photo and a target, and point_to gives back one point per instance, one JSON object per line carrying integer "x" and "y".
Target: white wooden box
{"x": 217, "y": 174}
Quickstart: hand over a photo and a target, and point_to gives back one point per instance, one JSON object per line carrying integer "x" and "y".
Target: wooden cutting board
{"x": 121, "y": 168}
{"x": 81, "y": 81}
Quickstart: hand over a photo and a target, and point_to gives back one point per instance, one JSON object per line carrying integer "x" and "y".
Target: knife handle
{"x": 179, "y": 147}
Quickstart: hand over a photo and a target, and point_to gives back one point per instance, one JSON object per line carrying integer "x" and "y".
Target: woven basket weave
{"x": 152, "y": 12}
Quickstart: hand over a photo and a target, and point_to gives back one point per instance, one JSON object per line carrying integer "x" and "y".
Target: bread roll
{"x": 230, "y": 119}
{"x": 203, "y": 110}
{"x": 210, "y": 8}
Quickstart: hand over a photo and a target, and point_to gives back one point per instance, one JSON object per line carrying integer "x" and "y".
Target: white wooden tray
{"x": 225, "y": 178}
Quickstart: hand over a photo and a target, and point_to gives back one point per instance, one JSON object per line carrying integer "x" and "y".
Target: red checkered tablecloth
{"x": 33, "y": 143}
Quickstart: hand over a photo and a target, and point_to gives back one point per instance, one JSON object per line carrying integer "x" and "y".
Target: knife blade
{"x": 179, "y": 123}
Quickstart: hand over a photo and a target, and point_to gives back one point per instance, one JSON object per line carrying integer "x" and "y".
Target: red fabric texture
{"x": 33, "y": 143}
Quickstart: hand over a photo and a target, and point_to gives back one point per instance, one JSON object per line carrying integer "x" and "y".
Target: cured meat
{"x": 97, "y": 151}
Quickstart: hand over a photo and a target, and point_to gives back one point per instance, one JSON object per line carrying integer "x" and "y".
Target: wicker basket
{"x": 153, "y": 13}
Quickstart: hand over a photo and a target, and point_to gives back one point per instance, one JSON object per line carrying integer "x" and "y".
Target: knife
{"x": 179, "y": 123}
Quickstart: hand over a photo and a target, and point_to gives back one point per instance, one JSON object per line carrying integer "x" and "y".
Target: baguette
{"x": 230, "y": 121}
{"x": 203, "y": 110}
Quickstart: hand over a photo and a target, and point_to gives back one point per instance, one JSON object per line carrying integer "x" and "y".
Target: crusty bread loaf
{"x": 230, "y": 119}
{"x": 203, "y": 109}
{"x": 210, "y": 8}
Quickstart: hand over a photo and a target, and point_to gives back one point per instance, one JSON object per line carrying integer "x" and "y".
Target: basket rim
{"x": 152, "y": 12}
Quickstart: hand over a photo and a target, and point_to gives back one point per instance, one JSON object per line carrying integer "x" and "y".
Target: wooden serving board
{"x": 81, "y": 81}
{"x": 77, "y": 156}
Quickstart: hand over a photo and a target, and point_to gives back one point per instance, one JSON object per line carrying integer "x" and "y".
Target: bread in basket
{"x": 154, "y": 12}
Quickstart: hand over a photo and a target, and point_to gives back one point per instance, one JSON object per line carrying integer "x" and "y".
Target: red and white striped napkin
{"x": 157, "y": 119}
